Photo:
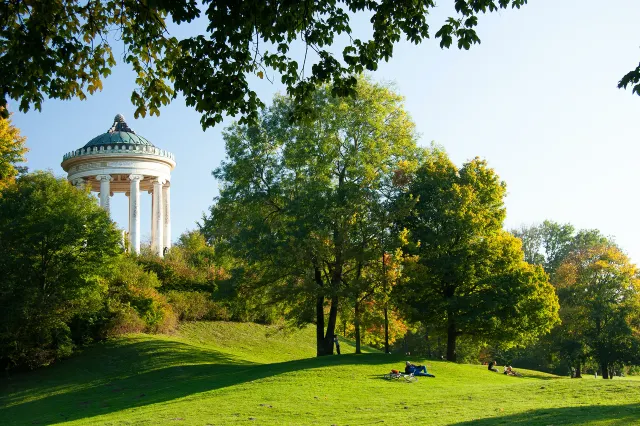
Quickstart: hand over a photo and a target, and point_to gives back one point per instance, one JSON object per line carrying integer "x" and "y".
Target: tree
{"x": 550, "y": 243}
{"x": 599, "y": 291}
{"x": 546, "y": 244}
{"x": 56, "y": 244}
{"x": 297, "y": 200}
{"x": 469, "y": 278}
{"x": 63, "y": 49}
{"x": 12, "y": 151}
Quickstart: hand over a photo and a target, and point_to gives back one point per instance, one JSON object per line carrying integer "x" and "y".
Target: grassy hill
{"x": 228, "y": 373}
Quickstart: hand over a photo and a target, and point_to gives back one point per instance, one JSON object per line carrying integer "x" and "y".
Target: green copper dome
{"x": 119, "y": 133}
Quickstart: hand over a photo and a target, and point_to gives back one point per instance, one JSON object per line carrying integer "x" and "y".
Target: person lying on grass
{"x": 417, "y": 370}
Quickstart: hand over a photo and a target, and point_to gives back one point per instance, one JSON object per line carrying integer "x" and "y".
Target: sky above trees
{"x": 537, "y": 99}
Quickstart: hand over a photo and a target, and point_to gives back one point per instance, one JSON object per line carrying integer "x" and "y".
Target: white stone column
{"x": 166, "y": 197}
{"x": 153, "y": 222}
{"x": 128, "y": 195}
{"x": 158, "y": 217}
{"x": 134, "y": 210}
{"x": 105, "y": 190}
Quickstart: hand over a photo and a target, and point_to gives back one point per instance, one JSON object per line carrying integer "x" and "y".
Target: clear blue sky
{"x": 537, "y": 99}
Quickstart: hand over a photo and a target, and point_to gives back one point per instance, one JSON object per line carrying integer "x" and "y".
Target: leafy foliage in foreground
{"x": 64, "y": 49}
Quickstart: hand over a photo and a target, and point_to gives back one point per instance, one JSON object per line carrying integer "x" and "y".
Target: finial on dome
{"x": 119, "y": 125}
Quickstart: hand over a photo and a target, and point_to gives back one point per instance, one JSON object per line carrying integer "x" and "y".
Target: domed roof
{"x": 119, "y": 132}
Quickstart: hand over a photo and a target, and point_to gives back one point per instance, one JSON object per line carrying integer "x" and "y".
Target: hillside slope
{"x": 227, "y": 373}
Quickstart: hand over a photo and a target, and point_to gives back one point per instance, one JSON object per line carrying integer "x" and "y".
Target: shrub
{"x": 194, "y": 305}
{"x": 133, "y": 303}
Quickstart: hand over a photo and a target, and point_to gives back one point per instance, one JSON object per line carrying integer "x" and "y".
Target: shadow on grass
{"x": 110, "y": 379}
{"x": 615, "y": 415}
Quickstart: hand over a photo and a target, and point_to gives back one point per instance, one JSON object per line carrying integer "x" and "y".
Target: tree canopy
{"x": 599, "y": 292}
{"x": 56, "y": 243}
{"x": 64, "y": 49}
{"x": 469, "y": 277}
{"x": 300, "y": 202}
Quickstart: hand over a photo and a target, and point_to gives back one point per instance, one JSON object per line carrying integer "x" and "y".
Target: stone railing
{"x": 119, "y": 149}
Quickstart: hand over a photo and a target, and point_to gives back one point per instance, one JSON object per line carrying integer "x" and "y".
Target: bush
{"x": 123, "y": 320}
{"x": 194, "y": 305}
{"x": 133, "y": 303}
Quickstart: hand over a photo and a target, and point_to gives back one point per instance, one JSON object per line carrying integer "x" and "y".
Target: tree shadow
{"x": 139, "y": 374}
{"x": 615, "y": 415}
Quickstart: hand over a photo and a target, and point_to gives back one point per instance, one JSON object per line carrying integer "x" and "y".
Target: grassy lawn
{"x": 227, "y": 373}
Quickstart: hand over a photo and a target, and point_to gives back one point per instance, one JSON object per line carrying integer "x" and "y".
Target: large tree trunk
{"x": 331, "y": 326}
{"x": 578, "y": 374}
{"x": 319, "y": 315}
{"x": 451, "y": 338}
{"x": 605, "y": 370}
{"x": 356, "y": 324}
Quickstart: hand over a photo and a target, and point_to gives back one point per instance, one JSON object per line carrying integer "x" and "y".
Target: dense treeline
{"x": 599, "y": 292}
{"x": 65, "y": 280}
{"x": 343, "y": 222}
{"x": 346, "y": 212}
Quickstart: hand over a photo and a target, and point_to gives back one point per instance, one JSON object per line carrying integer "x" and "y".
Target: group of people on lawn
{"x": 421, "y": 370}
{"x": 508, "y": 370}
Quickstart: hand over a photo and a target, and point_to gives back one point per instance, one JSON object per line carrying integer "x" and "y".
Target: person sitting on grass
{"x": 509, "y": 371}
{"x": 492, "y": 366}
{"x": 417, "y": 370}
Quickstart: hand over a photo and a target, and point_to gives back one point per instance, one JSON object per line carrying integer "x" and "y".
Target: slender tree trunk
{"x": 386, "y": 330}
{"x": 320, "y": 325}
{"x": 386, "y": 295}
{"x": 356, "y": 324}
{"x": 451, "y": 338}
{"x": 319, "y": 315}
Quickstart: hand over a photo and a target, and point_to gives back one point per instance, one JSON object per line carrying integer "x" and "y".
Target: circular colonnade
{"x": 121, "y": 161}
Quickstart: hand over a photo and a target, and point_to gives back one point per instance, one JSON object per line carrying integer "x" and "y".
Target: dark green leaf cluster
{"x": 631, "y": 78}
{"x": 56, "y": 244}
{"x": 63, "y": 49}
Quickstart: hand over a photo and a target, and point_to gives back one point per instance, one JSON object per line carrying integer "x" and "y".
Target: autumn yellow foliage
{"x": 12, "y": 150}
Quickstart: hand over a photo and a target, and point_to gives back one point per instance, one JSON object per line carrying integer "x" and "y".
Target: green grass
{"x": 227, "y": 373}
